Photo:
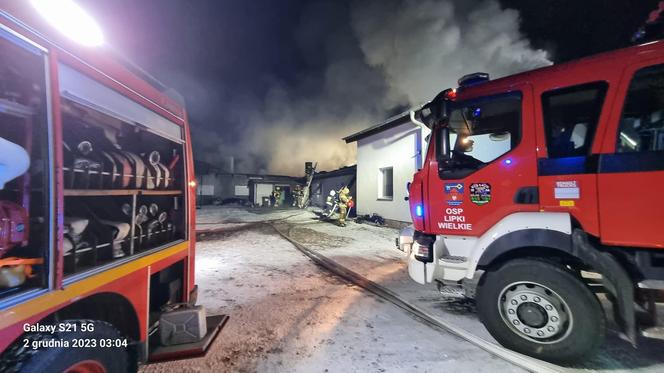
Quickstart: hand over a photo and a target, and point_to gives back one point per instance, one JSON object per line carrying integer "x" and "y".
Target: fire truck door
{"x": 568, "y": 173}
{"x": 631, "y": 168}
{"x": 492, "y": 172}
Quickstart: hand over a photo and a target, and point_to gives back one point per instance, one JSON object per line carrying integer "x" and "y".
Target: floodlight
{"x": 70, "y": 19}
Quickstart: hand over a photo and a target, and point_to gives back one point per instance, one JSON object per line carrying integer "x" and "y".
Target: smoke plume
{"x": 366, "y": 59}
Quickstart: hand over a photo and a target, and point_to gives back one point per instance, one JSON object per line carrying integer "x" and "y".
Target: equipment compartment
{"x": 96, "y": 231}
{"x": 24, "y": 165}
{"x": 123, "y": 188}
{"x": 159, "y": 220}
{"x": 102, "y": 152}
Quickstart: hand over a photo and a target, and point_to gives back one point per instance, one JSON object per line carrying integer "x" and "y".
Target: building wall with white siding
{"x": 400, "y": 148}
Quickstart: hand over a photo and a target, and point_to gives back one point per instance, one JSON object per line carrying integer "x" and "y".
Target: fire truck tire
{"x": 110, "y": 358}
{"x": 541, "y": 309}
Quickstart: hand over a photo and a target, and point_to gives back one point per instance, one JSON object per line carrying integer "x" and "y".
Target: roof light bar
{"x": 473, "y": 79}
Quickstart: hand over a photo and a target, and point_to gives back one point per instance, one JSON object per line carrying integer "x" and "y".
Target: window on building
{"x": 570, "y": 118}
{"x": 642, "y": 123}
{"x": 385, "y": 183}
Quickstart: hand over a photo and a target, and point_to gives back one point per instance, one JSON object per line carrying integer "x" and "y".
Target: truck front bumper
{"x": 419, "y": 271}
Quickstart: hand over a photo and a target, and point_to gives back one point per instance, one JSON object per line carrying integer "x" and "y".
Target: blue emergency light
{"x": 472, "y": 79}
{"x": 419, "y": 211}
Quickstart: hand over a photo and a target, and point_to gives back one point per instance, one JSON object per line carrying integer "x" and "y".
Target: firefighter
{"x": 296, "y": 194}
{"x": 276, "y": 194}
{"x": 465, "y": 145}
{"x": 344, "y": 198}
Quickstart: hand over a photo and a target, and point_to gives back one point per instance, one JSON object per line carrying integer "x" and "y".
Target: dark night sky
{"x": 217, "y": 52}
{"x": 222, "y": 45}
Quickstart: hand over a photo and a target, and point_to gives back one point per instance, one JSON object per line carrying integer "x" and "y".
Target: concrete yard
{"x": 289, "y": 315}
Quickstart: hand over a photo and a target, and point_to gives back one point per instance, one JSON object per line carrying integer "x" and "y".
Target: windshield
{"x": 480, "y": 131}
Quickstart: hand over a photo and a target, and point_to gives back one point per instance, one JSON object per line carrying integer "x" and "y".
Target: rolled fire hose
{"x": 125, "y": 169}
{"x": 123, "y": 229}
{"x": 154, "y": 179}
{"x": 141, "y": 218}
{"x": 73, "y": 233}
{"x": 67, "y": 245}
{"x": 139, "y": 169}
{"x": 155, "y": 225}
{"x": 77, "y": 225}
{"x": 112, "y": 170}
{"x": 166, "y": 175}
{"x": 85, "y": 165}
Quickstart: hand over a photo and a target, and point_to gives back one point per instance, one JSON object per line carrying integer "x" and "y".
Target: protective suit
{"x": 296, "y": 195}
{"x": 277, "y": 196}
{"x": 344, "y": 198}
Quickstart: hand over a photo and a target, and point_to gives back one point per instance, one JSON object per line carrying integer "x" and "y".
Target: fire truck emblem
{"x": 454, "y": 193}
{"x": 480, "y": 193}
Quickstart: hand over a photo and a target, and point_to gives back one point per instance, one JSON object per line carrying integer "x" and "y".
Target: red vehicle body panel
{"x": 619, "y": 208}
{"x": 503, "y": 179}
{"x": 634, "y": 214}
{"x": 101, "y": 59}
{"x": 130, "y": 280}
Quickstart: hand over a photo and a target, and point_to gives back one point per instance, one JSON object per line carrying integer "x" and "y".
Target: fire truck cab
{"x": 539, "y": 191}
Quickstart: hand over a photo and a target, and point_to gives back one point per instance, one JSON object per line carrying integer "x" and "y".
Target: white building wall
{"x": 262, "y": 190}
{"x": 401, "y": 148}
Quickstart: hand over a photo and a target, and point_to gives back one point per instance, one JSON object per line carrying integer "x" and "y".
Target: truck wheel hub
{"x": 535, "y": 312}
{"x": 532, "y": 314}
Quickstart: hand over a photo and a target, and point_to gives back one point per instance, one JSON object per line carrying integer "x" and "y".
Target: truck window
{"x": 642, "y": 124}
{"x": 481, "y": 131}
{"x": 570, "y": 118}
{"x": 24, "y": 168}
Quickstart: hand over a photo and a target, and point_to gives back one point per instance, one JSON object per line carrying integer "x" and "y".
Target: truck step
{"x": 655, "y": 332}
{"x": 165, "y": 353}
{"x": 651, "y": 284}
{"x": 451, "y": 291}
{"x": 454, "y": 259}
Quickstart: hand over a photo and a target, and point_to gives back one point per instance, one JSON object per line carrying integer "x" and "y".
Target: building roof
{"x": 274, "y": 179}
{"x": 343, "y": 171}
{"x": 392, "y": 122}
{"x": 202, "y": 167}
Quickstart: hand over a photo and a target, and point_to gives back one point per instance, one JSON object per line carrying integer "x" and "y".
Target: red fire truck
{"x": 538, "y": 192}
{"x": 96, "y": 203}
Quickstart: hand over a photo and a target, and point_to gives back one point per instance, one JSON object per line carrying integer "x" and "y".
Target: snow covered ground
{"x": 289, "y": 315}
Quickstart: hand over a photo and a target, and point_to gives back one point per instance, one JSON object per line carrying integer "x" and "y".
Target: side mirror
{"x": 443, "y": 146}
{"x": 435, "y": 111}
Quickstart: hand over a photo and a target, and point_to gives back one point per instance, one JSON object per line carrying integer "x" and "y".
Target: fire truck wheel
{"x": 542, "y": 310}
{"x": 55, "y": 352}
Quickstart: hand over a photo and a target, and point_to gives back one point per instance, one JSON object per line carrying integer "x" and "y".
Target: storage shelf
{"x": 120, "y": 192}
{"x": 15, "y": 109}
{"x": 103, "y": 245}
